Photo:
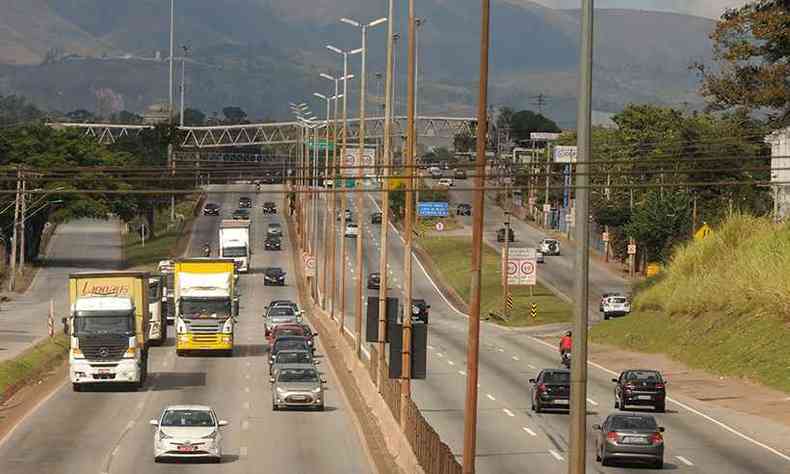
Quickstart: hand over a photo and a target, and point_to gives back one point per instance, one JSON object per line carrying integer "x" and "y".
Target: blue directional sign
{"x": 433, "y": 209}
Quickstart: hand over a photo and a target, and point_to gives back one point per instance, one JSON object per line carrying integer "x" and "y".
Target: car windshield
{"x": 290, "y": 332}
{"x": 274, "y": 271}
{"x": 153, "y": 292}
{"x": 617, "y": 300}
{"x": 187, "y": 418}
{"x": 282, "y": 311}
{"x": 623, "y": 422}
{"x": 234, "y": 251}
{"x": 298, "y": 375}
{"x": 274, "y": 227}
{"x": 293, "y": 358}
{"x": 268, "y": 204}
{"x": 209, "y": 307}
{"x": 557, "y": 377}
{"x": 642, "y": 376}
{"x": 94, "y": 325}
{"x": 289, "y": 345}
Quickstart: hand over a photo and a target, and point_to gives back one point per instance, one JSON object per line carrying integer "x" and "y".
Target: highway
{"x": 510, "y": 436}
{"x": 107, "y": 431}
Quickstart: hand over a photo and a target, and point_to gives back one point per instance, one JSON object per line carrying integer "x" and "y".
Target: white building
{"x": 780, "y": 171}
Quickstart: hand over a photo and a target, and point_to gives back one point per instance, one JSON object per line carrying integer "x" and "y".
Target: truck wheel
{"x": 606, "y": 317}
{"x": 229, "y": 353}
{"x": 76, "y": 387}
{"x": 179, "y": 353}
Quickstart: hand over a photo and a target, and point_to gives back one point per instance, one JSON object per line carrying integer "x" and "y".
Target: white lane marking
{"x": 244, "y": 425}
{"x": 248, "y": 363}
{"x": 592, "y": 402}
{"x": 430, "y": 347}
{"x": 556, "y": 455}
{"x": 115, "y": 451}
{"x": 709, "y": 418}
{"x": 246, "y": 405}
{"x": 439, "y": 354}
{"x": 515, "y": 358}
{"x": 508, "y": 412}
{"x": 451, "y": 362}
{"x": 501, "y": 350}
{"x": 243, "y": 451}
{"x": 490, "y": 397}
{"x": 684, "y": 461}
{"x": 461, "y": 372}
{"x": 247, "y": 376}
{"x": 247, "y": 389}
{"x": 529, "y": 431}
{"x": 130, "y": 425}
{"x": 532, "y": 367}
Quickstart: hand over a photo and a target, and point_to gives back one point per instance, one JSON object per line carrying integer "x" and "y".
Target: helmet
{"x": 568, "y": 334}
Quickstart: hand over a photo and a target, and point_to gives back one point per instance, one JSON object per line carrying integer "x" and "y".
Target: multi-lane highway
{"x": 107, "y": 431}
{"x": 510, "y": 435}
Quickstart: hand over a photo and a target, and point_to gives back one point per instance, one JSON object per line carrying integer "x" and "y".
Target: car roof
{"x": 296, "y": 351}
{"x": 298, "y": 366}
{"x": 188, "y": 407}
{"x": 274, "y": 224}
{"x": 655, "y": 371}
{"x": 269, "y": 269}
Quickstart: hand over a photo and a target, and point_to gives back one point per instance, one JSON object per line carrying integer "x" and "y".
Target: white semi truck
{"x": 234, "y": 242}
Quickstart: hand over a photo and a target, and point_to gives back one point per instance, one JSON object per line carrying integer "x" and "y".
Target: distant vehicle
{"x": 500, "y": 235}
{"x": 539, "y": 257}
{"x": 291, "y": 358}
{"x": 606, "y": 295}
{"x": 297, "y": 387}
{"x": 419, "y": 310}
{"x": 289, "y": 329}
{"x": 269, "y": 207}
{"x": 446, "y": 182}
{"x": 435, "y": 172}
{"x": 551, "y": 389}
{"x": 273, "y": 276}
{"x": 375, "y": 218}
{"x": 241, "y": 215}
{"x": 549, "y": 247}
{"x": 352, "y": 230}
{"x": 463, "y": 209}
{"x": 629, "y": 437}
{"x": 460, "y": 174}
{"x": 640, "y": 387}
{"x": 288, "y": 343}
{"x": 188, "y": 431}
{"x": 274, "y": 229}
{"x": 284, "y": 304}
{"x": 245, "y": 202}
{"x": 614, "y": 306}
{"x": 277, "y": 316}
{"x": 345, "y": 215}
{"x": 272, "y": 242}
{"x": 374, "y": 281}
{"x": 329, "y": 183}
{"x": 211, "y": 209}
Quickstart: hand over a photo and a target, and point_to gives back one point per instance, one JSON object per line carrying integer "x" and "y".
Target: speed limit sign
{"x": 631, "y": 249}
{"x": 605, "y": 237}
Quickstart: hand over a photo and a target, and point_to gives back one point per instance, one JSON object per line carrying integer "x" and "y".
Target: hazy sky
{"x": 708, "y": 8}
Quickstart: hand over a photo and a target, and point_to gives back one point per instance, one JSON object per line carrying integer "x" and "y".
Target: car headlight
{"x": 163, "y": 435}
{"x": 317, "y": 390}
{"x": 280, "y": 390}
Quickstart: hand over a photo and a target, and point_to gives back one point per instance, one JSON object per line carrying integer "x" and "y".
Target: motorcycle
{"x": 206, "y": 250}
{"x": 566, "y": 360}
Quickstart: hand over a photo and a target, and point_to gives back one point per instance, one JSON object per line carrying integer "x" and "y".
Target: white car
{"x": 549, "y": 247}
{"x": 188, "y": 432}
{"x": 352, "y": 230}
{"x": 446, "y": 182}
{"x": 617, "y": 305}
{"x": 539, "y": 257}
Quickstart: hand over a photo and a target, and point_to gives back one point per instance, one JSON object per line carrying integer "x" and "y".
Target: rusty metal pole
{"x": 343, "y": 198}
{"x": 331, "y": 218}
{"x": 405, "y": 381}
{"x": 478, "y": 208}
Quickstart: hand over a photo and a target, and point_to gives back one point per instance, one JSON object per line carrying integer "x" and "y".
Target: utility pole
{"x": 408, "y": 234}
{"x": 548, "y": 182}
{"x": 578, "y": 403}
{"x": 540, "y": 101}
{"x": 478, "y": 209}
{"x": 183, "y": 82}
{"x": 385, "y": 198}
{"x": 171, "y": 162}
{"x": 15, "y": 237}
{"x": 22, "y": 219}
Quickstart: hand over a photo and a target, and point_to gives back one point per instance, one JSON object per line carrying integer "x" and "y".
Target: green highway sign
{"x": 321, "y": 145}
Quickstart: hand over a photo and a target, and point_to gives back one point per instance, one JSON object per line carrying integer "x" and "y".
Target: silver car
{"x": 297, "y": 386}
{"x": 629, "y": 437}
{"x": 289, "y": 358}
{"x": 188, "y": 432}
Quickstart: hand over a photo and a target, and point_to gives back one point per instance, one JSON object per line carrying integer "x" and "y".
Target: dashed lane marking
{"x": 243, "y": 451}
{"x": 244, "y": 425}
{"x": 439, "y": 354}
{"x": 556, "y": 455}
{"x": 529, "y": 431}
{"x": 451, "y": 362}
{"x": 684, "y": 461}
{"x": 246, "y": 405}
{"x": 490, "y": 397}
{"x": 461, "y": 372}
{"x": 508, "y": 412}
{"x": 430, "y": 347}
{"x": 247, "y": 389}
{"x": 515, "y": 358}
{"x": 592, "y": 402}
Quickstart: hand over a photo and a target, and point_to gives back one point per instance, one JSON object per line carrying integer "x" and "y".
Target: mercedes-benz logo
{"x": 104, "y": 352}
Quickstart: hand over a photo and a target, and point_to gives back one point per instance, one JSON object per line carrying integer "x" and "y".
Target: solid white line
{"x": 556, "y": 455}
{"x": 531, "y": 433}
{"x": 685, "y": 461}
{"x": 508, "y": 412}
{"x": 592, "y": 402}
{"x": 491, "y": 397}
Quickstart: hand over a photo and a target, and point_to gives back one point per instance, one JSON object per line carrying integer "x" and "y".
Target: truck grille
{"x": 204, "y": 327}
{"x": 104, "y": 347}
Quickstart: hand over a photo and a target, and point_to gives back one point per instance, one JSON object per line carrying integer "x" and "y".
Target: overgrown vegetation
{"x": 722, "y": 304}
{"x": 21, "y": 370}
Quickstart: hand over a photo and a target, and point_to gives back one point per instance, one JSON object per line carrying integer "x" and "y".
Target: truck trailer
{"x": 234, "y": 242}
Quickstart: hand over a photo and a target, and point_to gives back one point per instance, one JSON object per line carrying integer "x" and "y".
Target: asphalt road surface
{"x": 108, "y": 432}
{"x": 511, "y": 436}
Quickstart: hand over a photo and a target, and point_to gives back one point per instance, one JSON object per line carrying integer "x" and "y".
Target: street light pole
{"x": 578, "y": 403}
{"x": 478, "y": 208}
{"x": 183, "y": 82}
{"x": 171, "y": 161}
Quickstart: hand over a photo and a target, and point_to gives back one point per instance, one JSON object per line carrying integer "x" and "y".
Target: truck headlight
{"x": 130, "y": 353}
{"x": 228, "y": 326}
{"x": 76, "y": 352}
{"x": 180, "y": 326}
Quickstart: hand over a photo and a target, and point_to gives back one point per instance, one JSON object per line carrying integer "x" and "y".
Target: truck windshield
{"x": 210, "y": 308}
{"x": 88, "y": 323}
{"x": 234, "y": 251}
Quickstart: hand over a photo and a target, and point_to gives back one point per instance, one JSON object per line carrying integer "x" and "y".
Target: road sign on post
{"x": 565, "y": 154}
{"x": 433, "y": 209}
{"x": 631, "y": 249}
{"x": 521, "y": 267}
{"x": 352, "y": 162}
{"x": 309, "y": 265}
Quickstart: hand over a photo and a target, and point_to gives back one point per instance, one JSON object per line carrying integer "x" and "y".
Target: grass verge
{"x": 722, "y": 305}
{"x": 25, "y": 368}
{"x": 452, "y": 258}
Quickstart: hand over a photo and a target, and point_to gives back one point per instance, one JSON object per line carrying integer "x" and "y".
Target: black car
{"x": 460, "y": 174}
{"x": 274, "y": 229}
{"x": 419, "y": 310}
{"x": 272, "y": 243}
{"x": 375, "y": 218}
{"x": 245, "y": 202}
{"x": 211, "y": 209}
{"x": 640, "y": 387}
{"x": 463, "y": 210}
{"x": 551, "y": 389}
{"x": 500, "y": 235}
{"x": 241, "y": 215}
{"x": 289, "y": 343}
{"x": 374, "y": 281}
{"x": 273, "y": 276}
{"x": 269, "y": 208}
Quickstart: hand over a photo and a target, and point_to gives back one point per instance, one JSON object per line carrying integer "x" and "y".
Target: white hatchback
{"x": 188, "y": 432}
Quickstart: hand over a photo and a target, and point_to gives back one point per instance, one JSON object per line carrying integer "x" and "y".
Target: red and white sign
{"x": 351, "y": 162}
{"x": 547, "y": 208}
{"x": 439, "y": 226}
{"x": 521, "y": 266}
{"x": 309, "y": 265}
{"x": 631, "y": 249}
{"x": 605, "y": 237}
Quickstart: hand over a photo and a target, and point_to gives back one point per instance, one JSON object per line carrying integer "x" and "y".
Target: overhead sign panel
{"x": 351, "y": 162}
{"x": 433, "y": 209}
{"x": 545, "y": 136}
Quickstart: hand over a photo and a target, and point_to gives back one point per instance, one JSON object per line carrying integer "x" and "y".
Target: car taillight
{"x": 656, "y": 438}
{"x": 629, "y": 386}
{"x": 659, "y": 385}
{"x": 611, "y": 436}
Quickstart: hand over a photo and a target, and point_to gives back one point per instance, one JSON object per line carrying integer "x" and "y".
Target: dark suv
{"x": 269, "y": 208}
{"x": 375, "y": 218}
{"x": 211, "y": 209}
{"x": 419, "y": 310}
{"x": 272, "y": 242}
{"x": 500, "y": 235}
{"x": 374, "y": 281}
{"x": 640, "y": 387}
{"x": 463, "y": 210}
{"x": 245, "y": 202}
{"x": 551, "y": 389}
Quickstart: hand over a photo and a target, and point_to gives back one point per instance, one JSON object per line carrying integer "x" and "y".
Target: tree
{"x": 659, "y": 222}
{"x": 752, "y": 47}
{"x": 234, "y": 115}
{"x": 526, "y": 121}
{"x": 194, "y": 118}
{"x": 16, "y": 110}
{"x": 80, "y": 115}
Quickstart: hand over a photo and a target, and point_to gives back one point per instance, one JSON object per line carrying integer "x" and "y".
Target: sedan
{"x": 188, "y": 432}
{"x": 245, "y": 202}
{"x": 211, "y": 209}
{"x": 447, "y": 182}
{"x": 463, "y": 210}
{"x": 375, "y": 218}
{"x": 460, "y": 174}
{"x": 539, "y": 257}
{"x": 640, "y": 387}
{"x": 500, "y": 235}
{"x": 374, "y": 281}
{"x": 272, "y": 243}
{"x": 288, "y": 343}
{"x": 297, "y": 387}
{"x": 551, "y": 389}
{"x": 291, "y": 358}
{"x": 352, "y": 230}
{"x": 241, "y": 215}
{"x": 629, "y": 437}
{"x": 269, "y": 208}
{"x": 273, "y": 276}
{"x": 274, "y": 229}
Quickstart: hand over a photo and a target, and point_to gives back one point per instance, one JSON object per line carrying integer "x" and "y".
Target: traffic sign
{"x": 533, "y": 311}
{"x": 565, "y": 154}
{"x": 352, "y": 163}
{"x": 521, "y": 266}
{"x": 605, "y": 237}
{"x": 433, "y": 209}
{"x": 631, "y": 249}
{"x": 439, "y": 226}
{"x": 309, "y": 265}
{"x": 547, "y": 208}
{"x": 703, "y": 232}
{"x": 544, "y": 136}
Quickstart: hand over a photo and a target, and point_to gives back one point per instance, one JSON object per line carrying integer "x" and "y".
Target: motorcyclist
{"x": 566, "y": 344}
{"x": 207, "y": 249}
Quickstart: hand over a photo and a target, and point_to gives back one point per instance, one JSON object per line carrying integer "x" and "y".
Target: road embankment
{"x": 31, "y": 365}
